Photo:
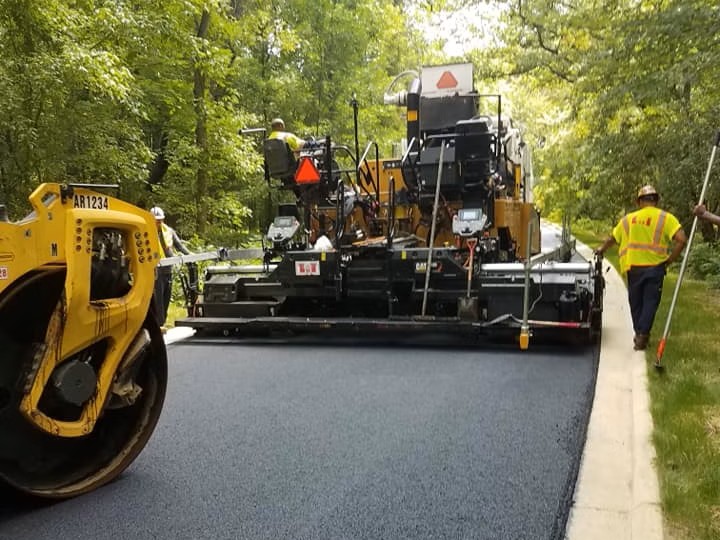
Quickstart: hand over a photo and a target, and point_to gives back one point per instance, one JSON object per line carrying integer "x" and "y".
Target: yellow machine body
{"x": 76, "y": 290}
{"x": 511, "y": 211}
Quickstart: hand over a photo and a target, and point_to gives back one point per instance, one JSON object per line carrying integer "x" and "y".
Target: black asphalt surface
{"x": 335, "y": 441}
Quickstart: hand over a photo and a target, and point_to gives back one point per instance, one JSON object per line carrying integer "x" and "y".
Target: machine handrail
{"x": 365, "y": 153}
{"x": 389, "y": 244}
{"x": 391, "y": 212}
{"x": 428, "y": 263}
{"x": 375, "y": 182}
{"x": 405, "y": 156}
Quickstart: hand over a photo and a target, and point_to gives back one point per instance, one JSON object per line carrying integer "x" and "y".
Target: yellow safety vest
{"x": 645, "y": 237}
{"x": 293, "y": 141}
{"x": 167, "y": 240}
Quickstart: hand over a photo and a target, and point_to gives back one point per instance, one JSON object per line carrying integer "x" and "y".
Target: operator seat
{"x": 475, "y": 151}
{"x": 280, "y": 161}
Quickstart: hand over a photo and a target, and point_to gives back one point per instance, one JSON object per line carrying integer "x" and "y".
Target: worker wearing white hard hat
{"x": 649, "y": 239}
{"x": 169, "y": 243}
{"x": 157, "y": 212}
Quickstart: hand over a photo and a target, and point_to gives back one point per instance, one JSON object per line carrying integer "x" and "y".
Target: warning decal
{"x": 447, "y": 80}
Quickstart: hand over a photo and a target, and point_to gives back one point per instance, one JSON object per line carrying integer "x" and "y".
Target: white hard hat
{"x": 646, "y": 191}
{"x": 157, "y": 212}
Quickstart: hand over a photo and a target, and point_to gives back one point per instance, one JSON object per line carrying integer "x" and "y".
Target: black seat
{"x": 288, "y": 209}
{"x": 475, "y": 151}
{"x": 429, "y": 163}
{"x": 280, "y": 161}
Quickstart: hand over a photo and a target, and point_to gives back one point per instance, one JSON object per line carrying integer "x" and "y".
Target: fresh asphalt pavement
{"x": 333, "y": 440}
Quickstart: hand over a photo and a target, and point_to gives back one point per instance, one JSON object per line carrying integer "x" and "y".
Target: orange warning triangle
{"x": 447, "y": 80}
{"x": 306, "y": 172}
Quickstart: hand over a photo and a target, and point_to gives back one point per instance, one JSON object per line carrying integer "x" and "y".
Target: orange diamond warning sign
{"x": 306, "y": 172}
{"x": 446, "y": 80}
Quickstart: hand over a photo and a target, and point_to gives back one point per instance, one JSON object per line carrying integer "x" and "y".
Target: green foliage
{"x": 151, "y": 95}
{"x": 69, "y": 109}
{"x": 686, "y": 413}
{"x": 704, "y": 263}
{"x": 623, "y": 93}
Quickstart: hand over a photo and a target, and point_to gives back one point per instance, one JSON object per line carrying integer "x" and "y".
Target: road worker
{"x": 278, "y": 132}
{"x": 649, "y": 239}
{"x": 170, "y": 243}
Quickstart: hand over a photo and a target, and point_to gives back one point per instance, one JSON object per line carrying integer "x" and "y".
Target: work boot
{"x": 641, "y": 342}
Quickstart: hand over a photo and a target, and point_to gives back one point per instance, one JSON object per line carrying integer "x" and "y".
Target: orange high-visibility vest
{"x": 645, "y": 237}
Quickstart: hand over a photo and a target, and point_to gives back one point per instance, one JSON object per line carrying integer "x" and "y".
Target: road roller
{"x": 83, "y": 364}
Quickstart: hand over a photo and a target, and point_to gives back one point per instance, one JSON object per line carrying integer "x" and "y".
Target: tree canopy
{"x": 622, "y": 92}
{"x": 152, "y": 95}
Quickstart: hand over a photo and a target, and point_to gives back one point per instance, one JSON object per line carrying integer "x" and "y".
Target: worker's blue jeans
{"x": 644, "y": 292}
{"x": 163, "y": 292}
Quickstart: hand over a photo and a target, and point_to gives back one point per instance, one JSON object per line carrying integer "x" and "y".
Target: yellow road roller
{"x": 83, "y": 365}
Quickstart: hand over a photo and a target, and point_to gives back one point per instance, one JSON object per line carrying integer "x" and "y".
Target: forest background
{"x": 613, "y": 94}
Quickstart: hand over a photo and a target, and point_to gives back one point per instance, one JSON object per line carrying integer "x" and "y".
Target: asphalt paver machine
{"x": 442, "y": 237}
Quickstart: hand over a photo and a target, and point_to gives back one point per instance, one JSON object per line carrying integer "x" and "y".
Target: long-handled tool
{"x": 471, "y": 243}
{"x": 666, "y": 331}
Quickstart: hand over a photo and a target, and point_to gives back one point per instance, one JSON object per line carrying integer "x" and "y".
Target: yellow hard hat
{"x": 647, "y": 190}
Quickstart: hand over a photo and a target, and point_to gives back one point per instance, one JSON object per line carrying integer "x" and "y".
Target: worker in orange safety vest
{"x": 649, "y": 239}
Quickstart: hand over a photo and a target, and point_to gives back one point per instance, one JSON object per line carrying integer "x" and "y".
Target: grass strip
{"x": 685, "y": 405}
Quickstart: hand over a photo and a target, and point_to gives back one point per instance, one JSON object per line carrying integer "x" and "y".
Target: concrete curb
{"x": 178, "y": 333}
{"x": 617, "y": 494}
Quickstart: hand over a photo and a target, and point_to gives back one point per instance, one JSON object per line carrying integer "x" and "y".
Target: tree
{"x": 629, "y": 86}
{"x": 151, "y": 95}
{"x": 69, "y": 108}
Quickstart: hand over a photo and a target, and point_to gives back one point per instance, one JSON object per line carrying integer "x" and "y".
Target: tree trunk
{"x": 160, "y": 164}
